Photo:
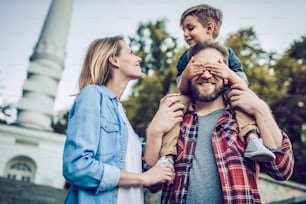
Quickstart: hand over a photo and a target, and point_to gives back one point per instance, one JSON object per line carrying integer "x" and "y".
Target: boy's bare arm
{"x": 234, "y": 78}
{"x": 183, "y": 84}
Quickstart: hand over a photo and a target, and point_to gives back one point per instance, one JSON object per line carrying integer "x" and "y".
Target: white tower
{"x": 35, "y": 108}
{"x": 30, "y": 152}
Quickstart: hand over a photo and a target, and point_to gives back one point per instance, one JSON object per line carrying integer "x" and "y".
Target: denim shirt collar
{"x": 109, "y": 93}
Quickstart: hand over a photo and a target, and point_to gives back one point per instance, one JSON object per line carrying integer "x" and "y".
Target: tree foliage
{"x": 256, "y": 63}
{"x": 297, "y": 50}
{"x": 279, "y": 80}
{"x": 157, "y": 49}
{"x": 290, "y": 110}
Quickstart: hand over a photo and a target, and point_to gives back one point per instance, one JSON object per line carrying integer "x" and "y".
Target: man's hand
{"x": 244, "y": 98}
{"x": 248, "y": 101}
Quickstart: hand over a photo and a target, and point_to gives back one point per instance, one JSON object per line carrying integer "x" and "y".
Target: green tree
{"x": 290, "y": 110}
{"x": 157, "y": 49}
{"x": 256, "y": 63}
{"x": 279, "y": 80}
{"x": 297, "y": 50}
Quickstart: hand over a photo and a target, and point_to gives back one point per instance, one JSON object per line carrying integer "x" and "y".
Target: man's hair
{"x": 206, "y": 45}
{"x": 205, "y": 14}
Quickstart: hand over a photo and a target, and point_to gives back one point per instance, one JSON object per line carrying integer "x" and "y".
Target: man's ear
{"x": 210, "y": 27}
{"x": 114, "y": 61}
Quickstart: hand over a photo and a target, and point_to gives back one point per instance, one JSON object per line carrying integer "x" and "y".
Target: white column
{"x": 35, "y": 108}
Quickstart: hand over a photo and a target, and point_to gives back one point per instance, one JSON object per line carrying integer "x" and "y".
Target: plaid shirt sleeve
{"x": 282, "y": 167}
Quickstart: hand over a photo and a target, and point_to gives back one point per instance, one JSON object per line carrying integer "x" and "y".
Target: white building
{"x": 31, "y": 155}
{"x": 30, "y": 151}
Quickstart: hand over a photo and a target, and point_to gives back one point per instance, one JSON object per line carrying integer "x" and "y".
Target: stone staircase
{"x": 18, "y": 192}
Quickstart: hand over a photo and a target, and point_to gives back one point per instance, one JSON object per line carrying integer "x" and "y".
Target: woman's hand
{"x": 158, "y": 174}
{"x": 169, "y": 113}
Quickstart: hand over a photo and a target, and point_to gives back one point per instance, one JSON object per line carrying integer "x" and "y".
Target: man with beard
{"x": 210, "y": 166}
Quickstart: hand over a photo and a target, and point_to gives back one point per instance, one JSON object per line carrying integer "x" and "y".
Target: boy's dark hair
{"x": 205, "y": 14}
{"x": 205, "y": 45}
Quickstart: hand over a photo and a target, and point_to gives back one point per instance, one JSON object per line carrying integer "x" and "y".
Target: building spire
{"x": 35, "y": 108}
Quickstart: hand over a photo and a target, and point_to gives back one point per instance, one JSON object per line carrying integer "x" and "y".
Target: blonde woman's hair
{"x": 205, "y": 14}
{"x": 96, "y": 67}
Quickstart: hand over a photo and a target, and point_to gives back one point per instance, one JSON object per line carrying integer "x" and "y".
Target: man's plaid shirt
{"x": 238, "y": 175}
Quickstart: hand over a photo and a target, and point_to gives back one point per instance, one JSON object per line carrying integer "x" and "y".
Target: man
{"x": 210, "y": 166}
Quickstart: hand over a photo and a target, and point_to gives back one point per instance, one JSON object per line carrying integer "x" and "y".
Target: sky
{"x": 277, "y": 23}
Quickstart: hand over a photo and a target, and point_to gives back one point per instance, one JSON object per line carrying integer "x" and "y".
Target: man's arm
{"x": 276, "y": 140}
{"x": 247, "y": 100}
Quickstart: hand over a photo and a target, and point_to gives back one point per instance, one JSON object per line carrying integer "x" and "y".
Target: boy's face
{"x": 194, "y": 31}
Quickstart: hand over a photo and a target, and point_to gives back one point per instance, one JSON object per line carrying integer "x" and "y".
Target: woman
{"x": 102, "y": 153}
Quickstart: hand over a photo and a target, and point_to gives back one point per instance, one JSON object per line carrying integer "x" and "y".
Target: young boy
{"x": 202, "y": 24}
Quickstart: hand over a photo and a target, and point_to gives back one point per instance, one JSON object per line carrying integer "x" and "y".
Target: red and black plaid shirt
{"x": 238, "y": 175}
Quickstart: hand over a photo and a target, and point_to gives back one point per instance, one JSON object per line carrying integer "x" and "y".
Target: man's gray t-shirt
{"x": 204, "y": 180}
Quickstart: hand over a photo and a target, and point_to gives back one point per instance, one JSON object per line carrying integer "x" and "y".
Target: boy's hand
{"x": 192, "y": 69}
{"x": 244, "y": 98}
{"x": 220, "y": 70}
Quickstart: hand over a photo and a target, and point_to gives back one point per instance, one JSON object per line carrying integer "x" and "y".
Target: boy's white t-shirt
{"x": 132, "y": 164}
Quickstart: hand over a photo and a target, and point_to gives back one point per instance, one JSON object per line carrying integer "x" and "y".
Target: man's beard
{"x": 206, "y": 98}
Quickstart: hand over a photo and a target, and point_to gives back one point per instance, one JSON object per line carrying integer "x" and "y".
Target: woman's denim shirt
{"x": 95, "y": 147}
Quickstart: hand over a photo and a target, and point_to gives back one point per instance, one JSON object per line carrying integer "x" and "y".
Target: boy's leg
{"x": 248, "y": 134}
{"x": 169, "y": 141}
{"x": 246, "y": 124}
{"x": 168, "y": 148}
